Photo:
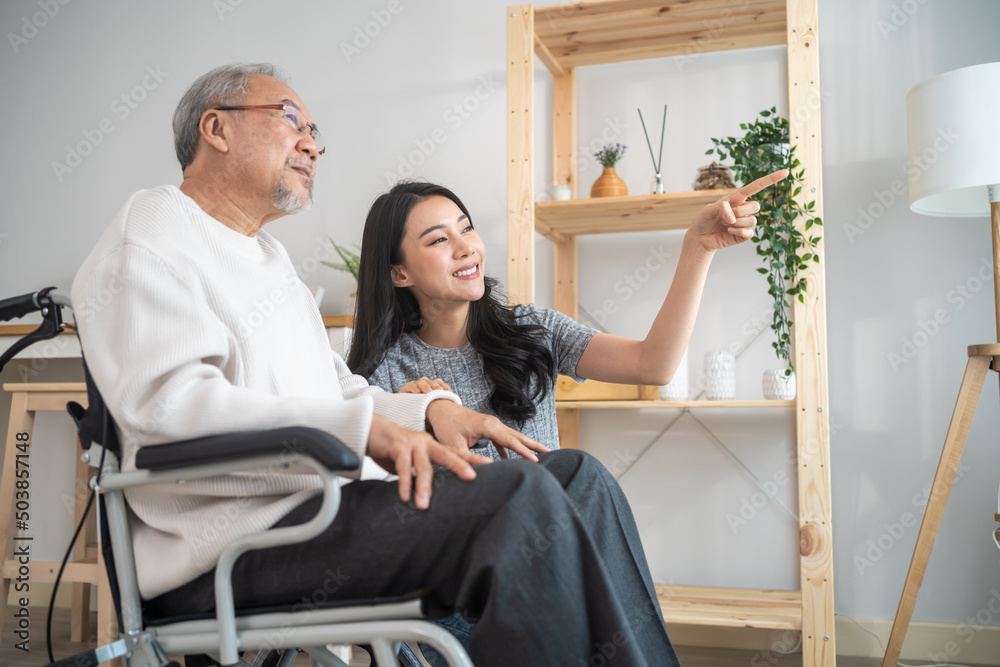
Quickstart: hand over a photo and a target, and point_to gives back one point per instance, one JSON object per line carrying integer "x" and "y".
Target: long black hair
{"x": 515, "y": 358}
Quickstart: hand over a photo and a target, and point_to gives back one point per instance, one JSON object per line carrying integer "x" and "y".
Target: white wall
{"x": 377, "y": 110}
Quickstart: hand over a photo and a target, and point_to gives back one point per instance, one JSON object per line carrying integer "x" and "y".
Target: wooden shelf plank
{"x": 338, "y": 321}
{"x": 731, "y": 607}
{"x": 24, "y": 329}
{"x": 614, "y": 215}
{"x": 636, "y": 404}
{"x": 568, "y": 389}
{"x": 592, "y": 33}
{"x": 45, "y": 386}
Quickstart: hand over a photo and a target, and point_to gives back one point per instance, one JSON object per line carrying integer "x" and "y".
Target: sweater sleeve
{"x": 405, "y": 409}
{"x": 157, "y": 350}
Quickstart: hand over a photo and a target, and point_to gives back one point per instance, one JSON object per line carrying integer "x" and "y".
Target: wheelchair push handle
{"x": 16, "y": 307}
{"x": 50, "y": 302}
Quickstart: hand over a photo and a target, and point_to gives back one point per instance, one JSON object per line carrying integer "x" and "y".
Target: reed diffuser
{"x": 657, "y": 186}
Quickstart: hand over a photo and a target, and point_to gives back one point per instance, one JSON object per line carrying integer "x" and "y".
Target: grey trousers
{"x": 545, "y": 558}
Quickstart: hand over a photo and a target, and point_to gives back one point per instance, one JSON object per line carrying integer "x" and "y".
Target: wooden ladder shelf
{"x": 568, "y": 36}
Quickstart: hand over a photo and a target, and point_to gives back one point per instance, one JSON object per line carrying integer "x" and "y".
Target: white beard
{"x": 287, "y": 201}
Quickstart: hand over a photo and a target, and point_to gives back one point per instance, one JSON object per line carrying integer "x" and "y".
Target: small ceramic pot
{"x": 778, "y": 386}
{"x": 720, "y": 376}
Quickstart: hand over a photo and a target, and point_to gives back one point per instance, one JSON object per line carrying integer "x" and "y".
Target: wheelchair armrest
{"x": 325, "y": 448}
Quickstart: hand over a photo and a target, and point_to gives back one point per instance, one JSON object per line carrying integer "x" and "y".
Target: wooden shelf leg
{"x": 520, "y": 154}
{"x": 569, "y": 427}
{"x": 79, "y": 629}
{"x": 954, "y": 442}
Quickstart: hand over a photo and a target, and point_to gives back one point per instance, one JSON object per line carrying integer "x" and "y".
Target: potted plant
{"x": 782, "y": 245}
{"x": 608, "y": 184}
{"x": 351, "y": 261}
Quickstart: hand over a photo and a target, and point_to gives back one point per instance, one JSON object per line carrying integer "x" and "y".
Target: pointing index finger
{"x": 750, "y": 189}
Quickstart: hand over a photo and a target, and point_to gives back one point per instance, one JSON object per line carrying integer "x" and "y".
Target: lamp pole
{"x": 982, "y": 358}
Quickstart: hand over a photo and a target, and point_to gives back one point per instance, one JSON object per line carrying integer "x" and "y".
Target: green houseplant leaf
{"x": 350, "y": 260}
{"x": 784, "y": 249}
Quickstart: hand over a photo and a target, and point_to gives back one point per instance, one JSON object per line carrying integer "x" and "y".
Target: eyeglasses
{"x": 292, "y": 115}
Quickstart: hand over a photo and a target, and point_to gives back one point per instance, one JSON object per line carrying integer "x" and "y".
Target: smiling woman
{"x": 426, "y": 309}
{"x": 423, "y": 265}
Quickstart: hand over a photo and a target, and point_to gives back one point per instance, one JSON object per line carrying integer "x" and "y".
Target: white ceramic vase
{"x": 720, "y": 376}
{"x": 677, "y": 388}
{"x": 778, "y": 386}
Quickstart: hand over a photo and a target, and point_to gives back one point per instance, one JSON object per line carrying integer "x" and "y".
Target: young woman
{"x": 426, "y": 309}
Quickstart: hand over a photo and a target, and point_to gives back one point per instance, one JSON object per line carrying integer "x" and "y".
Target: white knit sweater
{"x": 190, "y": 328}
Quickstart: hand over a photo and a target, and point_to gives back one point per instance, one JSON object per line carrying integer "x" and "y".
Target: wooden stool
{"x": 87, "y": 565}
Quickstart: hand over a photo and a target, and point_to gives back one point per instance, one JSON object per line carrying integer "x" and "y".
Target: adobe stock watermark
{"x": 302, "y": 610}
{"x": 37, "y": 21}
{"x": 899, "y": 15}
{"x": 611, "y": 131}
{"x": 630, "y": 283}
{"x": 876, "y": 547}
{"x": 45, "y": 351}
{"x": 363, "y": 35}
{"x": 223, "y": 7}
{"x": 542, "y": 540}
{"x": 776, "y": 650}
{"x": 914, "y": 168}
{"x": 635, "y": 617}
{"x": 453, "y": 116}
{"x": 961, "y": 294}
{"x": 122, "y": 107}
{"x": 968, "y": 630}
{"x": 750, "y": 506}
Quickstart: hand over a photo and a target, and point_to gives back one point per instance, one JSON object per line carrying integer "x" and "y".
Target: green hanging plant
{"x": 785, "y": 249}
{"x": 351, "y": 261}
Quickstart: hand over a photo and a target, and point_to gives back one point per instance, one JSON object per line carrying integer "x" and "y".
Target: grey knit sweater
{"x": 462, "y": 368}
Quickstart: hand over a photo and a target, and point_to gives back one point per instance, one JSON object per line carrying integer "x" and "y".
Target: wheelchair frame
{"x": 383, "y": 625}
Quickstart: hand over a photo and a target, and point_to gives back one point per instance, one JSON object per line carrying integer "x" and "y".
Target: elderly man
{"x": 193, "y": 322}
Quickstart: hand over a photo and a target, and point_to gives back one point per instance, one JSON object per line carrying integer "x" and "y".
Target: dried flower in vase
{"x": 610, "y": 155}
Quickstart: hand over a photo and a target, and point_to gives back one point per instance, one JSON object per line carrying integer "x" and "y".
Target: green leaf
{"x": 801, "y": 300}
{"x": 762, "y": 271}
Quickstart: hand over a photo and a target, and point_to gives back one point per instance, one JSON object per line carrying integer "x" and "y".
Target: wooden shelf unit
{"x": 568, "y": 36}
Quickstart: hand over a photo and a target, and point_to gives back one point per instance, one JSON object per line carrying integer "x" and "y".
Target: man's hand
{"x": 411, "y": 454}
{"x": 423, "y": 386}
{"x": 731, "y": 219}
{"x": 459, "y": 428}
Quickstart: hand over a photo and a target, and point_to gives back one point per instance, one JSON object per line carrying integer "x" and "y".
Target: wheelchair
{"x": 277, "y": 634}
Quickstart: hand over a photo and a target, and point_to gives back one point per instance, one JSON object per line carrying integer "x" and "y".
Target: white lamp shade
{"x": 953, "y": 132}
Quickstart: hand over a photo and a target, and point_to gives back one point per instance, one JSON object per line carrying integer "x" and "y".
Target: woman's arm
{"x": 726, "y": 222}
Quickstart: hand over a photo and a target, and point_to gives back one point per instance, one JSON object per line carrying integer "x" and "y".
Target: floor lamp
{"x": 953, "y": 130}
